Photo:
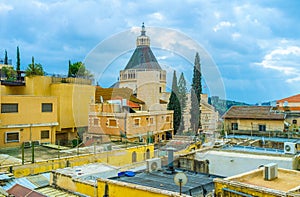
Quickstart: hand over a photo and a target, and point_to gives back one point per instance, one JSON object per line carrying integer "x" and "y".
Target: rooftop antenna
{"x": 180, "y": 179}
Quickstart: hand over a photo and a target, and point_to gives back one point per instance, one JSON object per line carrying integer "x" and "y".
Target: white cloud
{"x": 157, "y": 16}
{"x": 285, "y": 60}
{"x": 5, "y": 8}
{"x": 223, "y": 24}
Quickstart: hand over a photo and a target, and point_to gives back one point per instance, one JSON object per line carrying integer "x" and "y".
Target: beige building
{"x": 290, "y": 106}
{"x": 56, "y": 105}
{"x": 266, "y": 181}
{"x": 115, "y": 122}
{"x": 253, "y": 120}
{"x": 144, "y": 75}
{"x": 209, "y": 115}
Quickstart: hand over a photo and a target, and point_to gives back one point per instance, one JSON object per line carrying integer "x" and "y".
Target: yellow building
{"x": 26, "y": 119}
{"x": 256, "y": 120}
{"x": 70, "y": 99}
{"x": 265, "y": 181}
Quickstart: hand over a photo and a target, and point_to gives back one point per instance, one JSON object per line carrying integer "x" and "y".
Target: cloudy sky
{"x": 255, "y": 45}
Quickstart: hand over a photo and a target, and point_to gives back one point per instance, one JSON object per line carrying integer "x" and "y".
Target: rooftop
{"x": 143, "y": 58}
{"x": 112, "y": 93}
{"x": 295, "y": 98}
{"x": 196, "y": 183}
{"x": 252, "y": 112}
{"x": 287, "y": 179}
{"x": 90, "y": 172}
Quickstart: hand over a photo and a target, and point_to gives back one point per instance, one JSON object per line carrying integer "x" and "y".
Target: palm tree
{"x": 34, "y": 69}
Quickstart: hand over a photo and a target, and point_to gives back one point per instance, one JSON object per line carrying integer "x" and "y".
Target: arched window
{"x": 133, "y": 157}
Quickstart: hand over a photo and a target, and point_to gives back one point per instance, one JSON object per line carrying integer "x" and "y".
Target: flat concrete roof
{"x": 287, "y": 179}
{"x": 90, "y": 171}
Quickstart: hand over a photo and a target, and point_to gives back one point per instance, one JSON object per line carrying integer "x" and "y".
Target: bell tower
{"x": 143, "y": 40}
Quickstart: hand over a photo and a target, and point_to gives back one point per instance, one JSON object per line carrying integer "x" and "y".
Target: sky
{"x": 253, "y": 46}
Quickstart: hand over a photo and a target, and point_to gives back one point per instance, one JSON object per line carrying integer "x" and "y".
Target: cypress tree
{"x": 174, "y": 104}
{"x": 196, "y": 92}
{"x": 18, "y": 59}
{"x": 182, "y": 91}
{"x": 69, "y": 71}
{"x": 5, "y": 58}
{"x": 18, "y": 64}
{"x": 196, "y": 85}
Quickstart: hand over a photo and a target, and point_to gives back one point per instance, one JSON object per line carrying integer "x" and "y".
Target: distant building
{"x": 291, "y": 103}
{"x": 209, "y": 115}
{"x": 290, "y": 106}
{"x": 268, "y": 180}
{"x": 253, "y": 120}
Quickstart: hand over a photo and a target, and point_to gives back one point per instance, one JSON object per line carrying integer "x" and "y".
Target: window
{"x": 47, "y": 107}
{"x": 159, "y": 89}
{"x": 96, "y": 122}
{"x": 136, "y": 122}
{"x": 112, "y": 122}
{"x": 294, "y": 121}
{"x": 45, "y": 134}
{"x": 12, "y": 137}
{"x": 133, "y": 157}
{"x": 9, "y": 108}
{"x": 150, "y": 121}
{"x": 234, "y": 126}
{"x": 168, "y": 119}
{"x": 262, "y": 127}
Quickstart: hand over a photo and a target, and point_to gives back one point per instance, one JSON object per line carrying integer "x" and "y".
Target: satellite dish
{"x": 180, "y": 179}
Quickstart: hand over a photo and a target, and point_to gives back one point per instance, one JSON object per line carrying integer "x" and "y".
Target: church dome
{"x": 143, "y": 57}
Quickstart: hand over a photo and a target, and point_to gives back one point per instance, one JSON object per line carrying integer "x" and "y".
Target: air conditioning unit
{"x": 27, "y": 144}
{"x": 153, "y": 164}
{"x": 290, "y": 148}
{"x": 36, "y": 143}
{"x": 271, "y": 171}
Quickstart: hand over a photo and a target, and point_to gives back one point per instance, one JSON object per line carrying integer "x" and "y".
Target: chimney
{"x": 171, "y": 158}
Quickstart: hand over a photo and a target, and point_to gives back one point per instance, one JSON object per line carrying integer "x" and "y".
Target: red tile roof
{"x": 295, "y": 98}
{"x": 21, "y": 191}
{"x": 110, "y": 93}
{"x": 252, "y": 112}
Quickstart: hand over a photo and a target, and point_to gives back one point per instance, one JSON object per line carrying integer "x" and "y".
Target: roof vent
{"x": 270, "y": 171}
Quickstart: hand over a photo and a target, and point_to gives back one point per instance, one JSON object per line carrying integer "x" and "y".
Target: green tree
{"x": 78, "y": 70}
{"x": 18, "y": 66}
{"x": 5, "y": 58}
{"x": 196, "y": 92}
{"x": 196, "y": 85}
{"x": 18, "y": 60}
{"x": 69, "y": 70}
{"x": 174, "y": 104}
{"x": 9, "y": 72}
{"x": 34, "y": 69}
{"x": 182, "y": 92}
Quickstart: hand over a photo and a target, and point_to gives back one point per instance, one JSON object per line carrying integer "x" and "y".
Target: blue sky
{"x": 255, "y": 45}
